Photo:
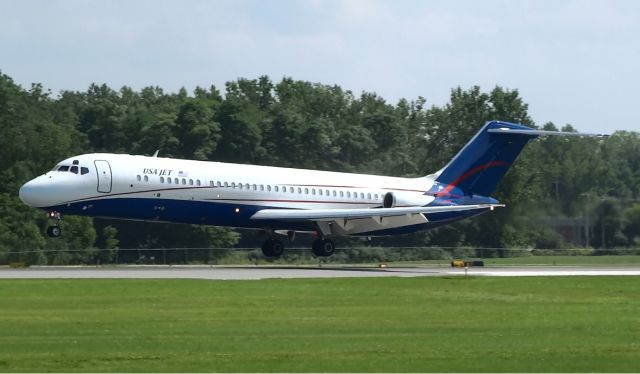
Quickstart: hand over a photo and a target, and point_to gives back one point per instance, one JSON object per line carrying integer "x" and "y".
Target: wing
{"x": 332, "y": 214}
{"x": 353, "y": 221}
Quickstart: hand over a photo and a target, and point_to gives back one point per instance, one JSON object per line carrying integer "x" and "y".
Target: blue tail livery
{"x": 484, "y": 160}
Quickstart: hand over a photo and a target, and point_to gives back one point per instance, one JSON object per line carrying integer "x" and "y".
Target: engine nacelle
{"x": 405, "y": 199}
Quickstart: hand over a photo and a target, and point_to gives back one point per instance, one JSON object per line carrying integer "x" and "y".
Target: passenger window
{"x": 320, "y": 192}
{"x": 341, "y": 193}
{"x": 299, "y": 190}
{"x": 255, "y": 187}
{"x": 291, "y": 189}
{"x": 376, "y": 196}
{"x": 246, "y": 185}
{"x": 240, "y": 185}
{"x": 198, "y": 182}
{"x": 161, "y": 179}
{"x": 262, "y": 187}
{"x": 268, "y": 187}
{"x": 369, "y": 196}
{"x": 226, "y": 185}
{"x": 138, "y": 178}
{"x": 169, "y": 180}
{"x": 176, "y": 181}
{"x": 146, "y": 178}
{"x": 362, "y": 195}
{"x": 74, "y": 169}
{"x": 84, "y": 170}
{"x": 313, "y": 191}
{"x": 190, "y": 182}
{"x": 334, "y": 193}
{"x": 306, "y": 191}
{"x": 275, "y": 188}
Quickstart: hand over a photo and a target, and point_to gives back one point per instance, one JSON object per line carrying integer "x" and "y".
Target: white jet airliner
{"x": 281, "y": 200}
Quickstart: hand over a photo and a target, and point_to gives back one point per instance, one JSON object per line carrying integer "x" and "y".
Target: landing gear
{"x": 272, "y": 248}
{"x": 54, "y": 231}
{"x": 323, "y": 247}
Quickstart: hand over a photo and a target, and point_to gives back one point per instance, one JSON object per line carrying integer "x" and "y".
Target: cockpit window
{"x": 75, "y": 169}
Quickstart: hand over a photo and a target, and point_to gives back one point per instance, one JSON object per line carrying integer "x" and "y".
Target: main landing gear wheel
{"x": 323, "y": 247}
{"x": 272, "y": 248}
{"x": 54, "y": 231}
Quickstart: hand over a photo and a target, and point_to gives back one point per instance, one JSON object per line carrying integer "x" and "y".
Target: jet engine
{"x": 405, "y": 199}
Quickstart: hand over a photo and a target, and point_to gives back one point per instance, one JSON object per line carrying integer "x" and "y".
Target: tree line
{"x": 294, "y": 123}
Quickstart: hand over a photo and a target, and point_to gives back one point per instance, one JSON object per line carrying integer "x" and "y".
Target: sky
{"x": 574, "y": 62}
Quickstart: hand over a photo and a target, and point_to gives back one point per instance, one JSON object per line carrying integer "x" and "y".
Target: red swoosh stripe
{"x": 471, "y": 172}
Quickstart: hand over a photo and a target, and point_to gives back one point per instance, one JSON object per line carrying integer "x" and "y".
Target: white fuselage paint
{"x": 121, "y": 176}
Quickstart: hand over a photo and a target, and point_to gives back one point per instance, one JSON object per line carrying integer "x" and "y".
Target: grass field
{"x": 541, "y": 324}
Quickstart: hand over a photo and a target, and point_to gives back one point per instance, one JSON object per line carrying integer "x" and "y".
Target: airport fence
{"x": 243, "y": 256}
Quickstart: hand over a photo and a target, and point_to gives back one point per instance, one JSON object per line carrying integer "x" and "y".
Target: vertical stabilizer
{"x": 484, "y": 160}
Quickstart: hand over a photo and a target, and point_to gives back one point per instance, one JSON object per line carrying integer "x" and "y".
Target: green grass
{"x": 543, "y": 324}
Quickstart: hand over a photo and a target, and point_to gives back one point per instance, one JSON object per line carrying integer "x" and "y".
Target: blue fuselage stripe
{"x": 218, "y": 214}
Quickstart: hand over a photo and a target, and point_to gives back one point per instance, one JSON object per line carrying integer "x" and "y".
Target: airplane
{"x": 281, "y": 201}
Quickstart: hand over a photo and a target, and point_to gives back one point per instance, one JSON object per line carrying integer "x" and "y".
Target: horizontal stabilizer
{"x": 506, "y": 130}
{"x": 333, "y": 214}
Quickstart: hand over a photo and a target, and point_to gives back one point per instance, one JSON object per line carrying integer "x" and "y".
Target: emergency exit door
{"x": 104, "y": 175}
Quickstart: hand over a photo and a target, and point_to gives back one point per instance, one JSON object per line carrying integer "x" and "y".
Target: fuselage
{"x": 212, "y": 193}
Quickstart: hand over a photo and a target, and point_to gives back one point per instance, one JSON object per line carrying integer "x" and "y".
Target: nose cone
{"x": 28, "y": 193}
{"x": 33, "y": 193}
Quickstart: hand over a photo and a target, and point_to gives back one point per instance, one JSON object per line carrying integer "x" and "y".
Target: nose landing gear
{"x": 54, "y": 230}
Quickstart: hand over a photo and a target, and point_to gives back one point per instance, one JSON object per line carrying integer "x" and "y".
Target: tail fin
{"x": 483, "y": 161}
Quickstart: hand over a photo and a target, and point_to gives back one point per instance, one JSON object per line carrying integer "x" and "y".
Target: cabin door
{"x": 104, "y": 175}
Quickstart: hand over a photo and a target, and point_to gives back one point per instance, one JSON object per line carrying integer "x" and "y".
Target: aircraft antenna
{"x": 156, "y": 154}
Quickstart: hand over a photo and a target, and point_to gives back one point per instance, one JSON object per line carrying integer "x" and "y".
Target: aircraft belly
{"x": 344, "y": 227}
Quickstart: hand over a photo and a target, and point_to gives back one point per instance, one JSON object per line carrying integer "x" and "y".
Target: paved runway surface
{"x": 267, "y": 272}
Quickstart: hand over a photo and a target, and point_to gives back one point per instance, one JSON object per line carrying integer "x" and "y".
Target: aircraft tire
{"x": 54, "y": 231}
{"x": 272, "y": 248}
{"x": 323, "y": 247}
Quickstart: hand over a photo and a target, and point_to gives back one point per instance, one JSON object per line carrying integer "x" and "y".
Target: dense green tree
{"x": 309, "y": 125}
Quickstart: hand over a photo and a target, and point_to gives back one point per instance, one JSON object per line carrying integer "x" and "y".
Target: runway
{"x": 293, "y": 272}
